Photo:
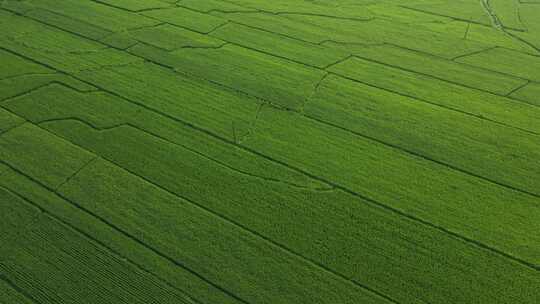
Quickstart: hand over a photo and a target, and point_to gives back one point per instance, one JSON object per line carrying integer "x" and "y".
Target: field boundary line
{"x": 263, "y": 11}
{"x": 68, "y": 179}
{"x": 172, "y": 5}
{"x": 27, "y": 74}
{"x": 520, "y": 87}
{"x": 479, "y": 52}
{"x": 37, "y": 88}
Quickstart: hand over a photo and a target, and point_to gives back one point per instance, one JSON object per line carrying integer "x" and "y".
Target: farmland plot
{"x": 247, "y": 151}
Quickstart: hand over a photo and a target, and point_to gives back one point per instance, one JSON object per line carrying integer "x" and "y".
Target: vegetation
{"x": 289, "y": 151}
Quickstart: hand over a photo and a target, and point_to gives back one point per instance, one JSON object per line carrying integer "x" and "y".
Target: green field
{"x": 276, "y": 152}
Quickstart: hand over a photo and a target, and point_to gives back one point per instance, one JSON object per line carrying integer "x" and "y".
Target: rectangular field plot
{"x": 508, "y": 62}
{"x": 448, "y": 95}
{"x": 443, "y": 69}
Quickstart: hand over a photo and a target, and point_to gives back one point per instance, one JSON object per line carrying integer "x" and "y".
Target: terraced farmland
{"x": 286, "y": 151}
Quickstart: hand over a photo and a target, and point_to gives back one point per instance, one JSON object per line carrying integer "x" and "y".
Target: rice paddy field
{"x": 276, "y": 152}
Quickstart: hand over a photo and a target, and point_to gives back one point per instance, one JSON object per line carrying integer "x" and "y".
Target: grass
{"x": 246, "y": 151}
